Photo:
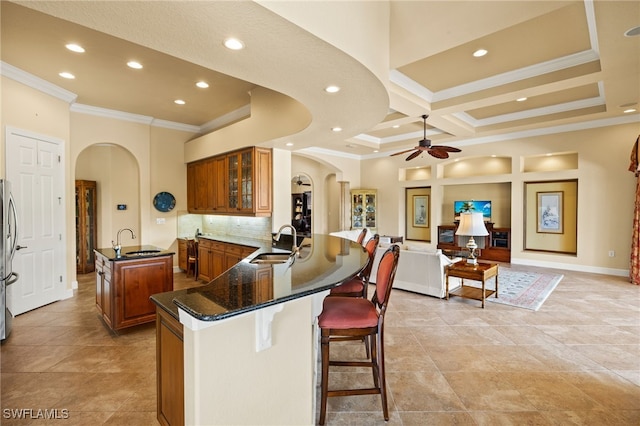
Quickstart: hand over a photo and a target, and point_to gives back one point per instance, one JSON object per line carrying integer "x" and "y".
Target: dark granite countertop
{"x": 127, "y": 253}
{"x": 247, "y": 287}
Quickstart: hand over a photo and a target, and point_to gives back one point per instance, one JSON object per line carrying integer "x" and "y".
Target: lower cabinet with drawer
{"x": 215, "y": 257}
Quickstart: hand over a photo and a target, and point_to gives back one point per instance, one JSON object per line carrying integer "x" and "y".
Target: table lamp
{"x": 471, "y": 225}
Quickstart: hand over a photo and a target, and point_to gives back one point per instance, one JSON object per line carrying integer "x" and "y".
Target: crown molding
{"x": 30, "y": 80}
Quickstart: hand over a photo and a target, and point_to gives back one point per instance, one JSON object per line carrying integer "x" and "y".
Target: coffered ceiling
{"x": 571, "y": 61}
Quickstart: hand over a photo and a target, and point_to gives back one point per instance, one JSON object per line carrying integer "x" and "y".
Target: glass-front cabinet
{"x": 235, "y": 183}
{"x": 86, "y": 226}
{"x": 364, "y": 209}
{"x": 240, "y": 166}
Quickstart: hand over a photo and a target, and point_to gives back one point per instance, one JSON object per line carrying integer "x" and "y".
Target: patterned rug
{"x": 524, "y": 289}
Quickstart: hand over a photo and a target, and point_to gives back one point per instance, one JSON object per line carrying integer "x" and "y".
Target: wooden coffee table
{"x": 478, "y": 272}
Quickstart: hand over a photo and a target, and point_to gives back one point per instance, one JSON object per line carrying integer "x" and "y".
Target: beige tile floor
{"x": 576, "y": 361}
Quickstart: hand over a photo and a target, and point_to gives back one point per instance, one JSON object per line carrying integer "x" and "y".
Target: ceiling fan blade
{"x": 402, "y": 152}
{"x": 446, "y": 148}
{"x": 414, "y": 155}
{"x": 438, "y": 153}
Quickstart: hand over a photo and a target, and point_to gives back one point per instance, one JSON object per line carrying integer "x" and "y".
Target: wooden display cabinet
{"x": 364, "y": 209}
{"x": 86, "y": 225}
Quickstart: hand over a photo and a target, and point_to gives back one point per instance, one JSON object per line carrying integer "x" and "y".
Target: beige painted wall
{"x": 323, "y": 184}
{"x": 605, "y": 193}
{"x": 34, "y": 111}
{"x": 116, "y": 173}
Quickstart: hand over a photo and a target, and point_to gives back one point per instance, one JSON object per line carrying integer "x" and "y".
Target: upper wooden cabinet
{"x": 236, "y": 183}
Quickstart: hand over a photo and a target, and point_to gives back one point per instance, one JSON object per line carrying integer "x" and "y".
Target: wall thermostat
{"x": 122, "y": 206}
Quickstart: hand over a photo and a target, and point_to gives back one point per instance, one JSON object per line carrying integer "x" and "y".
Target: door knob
{"x": 19, "y": 247}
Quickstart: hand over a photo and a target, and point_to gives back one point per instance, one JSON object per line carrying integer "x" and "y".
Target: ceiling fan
{"x": 438, "y": 151}
{"x": 298, "y": 181}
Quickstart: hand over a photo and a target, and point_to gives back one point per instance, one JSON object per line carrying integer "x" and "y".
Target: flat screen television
{"x": 473, "y": 206}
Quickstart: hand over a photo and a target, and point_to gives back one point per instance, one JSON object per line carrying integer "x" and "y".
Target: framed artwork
{"x": 421, "y": 211}
{"x": 417, "y": 216}
{"x": 550, "y": 213}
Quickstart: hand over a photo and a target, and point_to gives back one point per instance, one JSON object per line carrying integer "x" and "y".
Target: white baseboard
{"x": 571, "y": 267}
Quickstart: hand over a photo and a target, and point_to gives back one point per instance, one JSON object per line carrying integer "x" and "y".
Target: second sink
{"x": 271, "y": 258}
{"x": 142, "y": 252}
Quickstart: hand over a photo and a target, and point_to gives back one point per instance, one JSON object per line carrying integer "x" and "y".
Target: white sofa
{"x": 353, "y": 235}
{"x": 419, "y": 270}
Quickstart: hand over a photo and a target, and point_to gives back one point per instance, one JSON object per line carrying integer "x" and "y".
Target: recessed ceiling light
{"x": 632, "y": 32}
{"x": 67, "y": 75}
{"x": 135, "y": 65}
{"x": 375, "y": 150}
{"x": 480, "y": 52}
{"x": 289, "y": 144}
{"x": 396, "y": 126}
{"x": 233, "y": 44}
{"x": 336, "y": 129}
{"x": 179, "y": 102}
{"x": 332, "y": 89}
{"x": 629, "y": 110}
{"x": 202, "y": 84}
{"x": 521, "y": 99}
{"x": 75, "y": 47}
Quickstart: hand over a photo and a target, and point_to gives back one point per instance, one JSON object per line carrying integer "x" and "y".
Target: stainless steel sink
{"x": 142, "y": 252}
{"x": 271, "y": 258}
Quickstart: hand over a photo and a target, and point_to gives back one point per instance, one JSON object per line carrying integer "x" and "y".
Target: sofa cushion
{"x": 420, "y": 271}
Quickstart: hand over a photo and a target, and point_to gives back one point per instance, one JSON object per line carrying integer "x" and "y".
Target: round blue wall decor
{"x": 164, "y": 201}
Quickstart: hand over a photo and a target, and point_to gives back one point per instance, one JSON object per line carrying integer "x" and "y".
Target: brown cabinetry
{"x": 497, "y": 244}
{"x": 86, "y": 225}
{"x": 215, "y": 257}
{"x": 182, "y": 254}
{"x": 123, "y": 288}
{"x": 169, "y": 369}
{"x": 237, "y": 183}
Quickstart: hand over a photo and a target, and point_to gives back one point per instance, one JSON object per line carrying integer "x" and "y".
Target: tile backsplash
{"x": 238, "y": 226}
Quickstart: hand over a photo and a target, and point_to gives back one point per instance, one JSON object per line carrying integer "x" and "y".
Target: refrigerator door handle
{"x": 12, "y": 278}
{"x": 14, "y": 243}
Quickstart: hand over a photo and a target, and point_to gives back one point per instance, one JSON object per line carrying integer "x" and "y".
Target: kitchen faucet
{"x": 116, "y": 245}
{"x": 295, "y": 250}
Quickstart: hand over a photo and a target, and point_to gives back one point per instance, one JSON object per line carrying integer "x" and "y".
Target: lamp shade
{"x": 472, "y": 225}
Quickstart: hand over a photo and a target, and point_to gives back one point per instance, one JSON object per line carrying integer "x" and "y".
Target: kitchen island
{"x": 248, "y": 339}
{"x": 126, "y": 280}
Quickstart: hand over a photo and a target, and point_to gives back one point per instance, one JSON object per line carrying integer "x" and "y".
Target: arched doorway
{"x": 116, "y": 173}
{"x": 301, "y": 204}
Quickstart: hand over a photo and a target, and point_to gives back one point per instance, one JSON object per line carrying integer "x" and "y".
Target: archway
{"x": 302, "y": 204}
{"x": 116, "y": 173}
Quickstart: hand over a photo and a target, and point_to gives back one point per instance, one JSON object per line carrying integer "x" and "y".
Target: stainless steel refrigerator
{"x": 8, "y": 246}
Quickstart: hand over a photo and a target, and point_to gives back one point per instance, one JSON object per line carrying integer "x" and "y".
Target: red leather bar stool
{"x": 361, "y": 236}
{"x": 357, "y": 286}
{"x": 350, "y": 318}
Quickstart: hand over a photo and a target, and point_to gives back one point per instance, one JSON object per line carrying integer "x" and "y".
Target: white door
{"x": 34, "y": 168}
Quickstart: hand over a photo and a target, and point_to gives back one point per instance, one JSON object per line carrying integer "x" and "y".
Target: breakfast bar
{"x": 249, "y": 338}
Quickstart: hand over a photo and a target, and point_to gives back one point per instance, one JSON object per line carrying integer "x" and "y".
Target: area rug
{"x": 524, "y": 289}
